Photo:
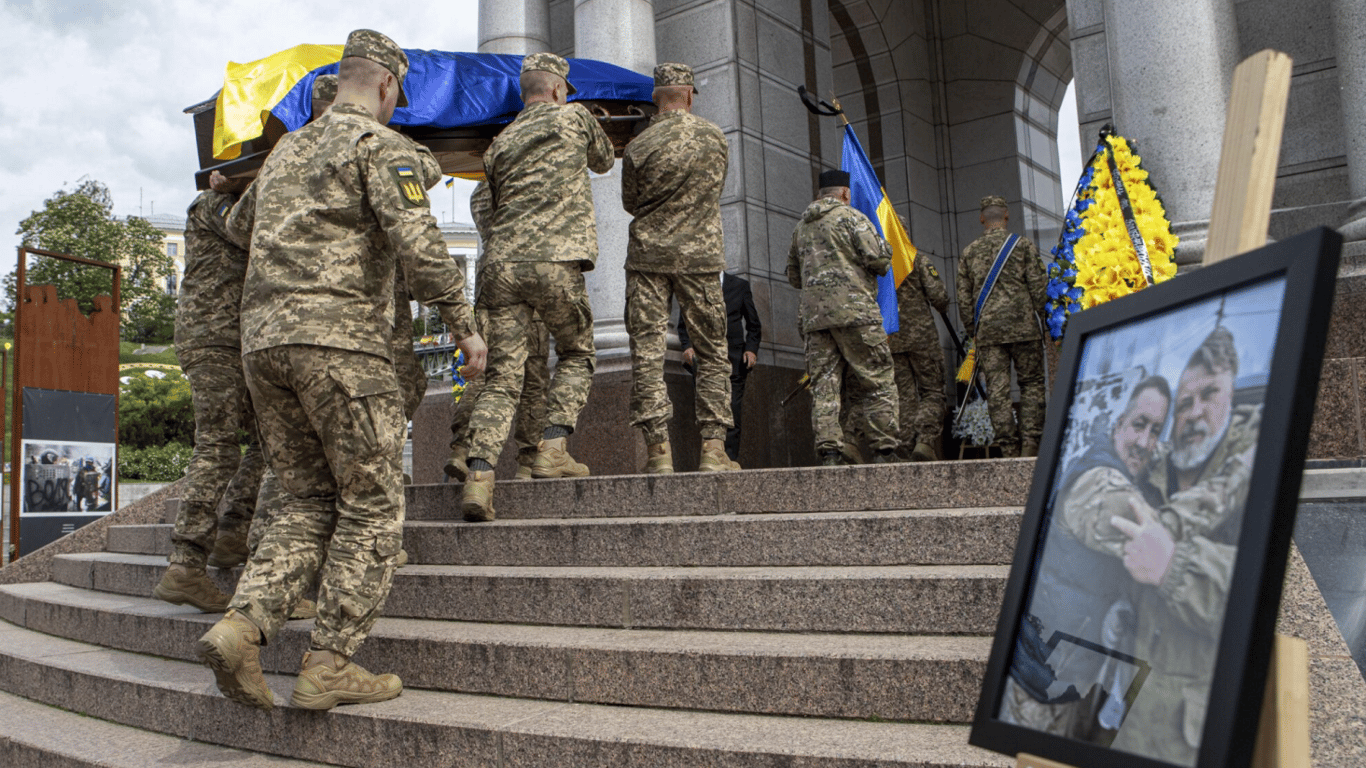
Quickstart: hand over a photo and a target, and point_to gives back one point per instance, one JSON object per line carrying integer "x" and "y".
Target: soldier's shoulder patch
{"x": 223, "y": 209}
{"x": 410, "y": 187}
{"x": 933, "y": 272}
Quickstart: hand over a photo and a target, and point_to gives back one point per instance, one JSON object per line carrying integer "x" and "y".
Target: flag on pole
{"x": 868, "y": 196}
{"x": 450, "y": 180}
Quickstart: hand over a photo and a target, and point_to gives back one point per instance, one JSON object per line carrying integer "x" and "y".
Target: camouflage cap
{"x": 325, "y": 88}
{"x": 993, "y": 200}
{"x": 674, "y": 74}
{"x": 548, "y": 62}
{"x": 369, "y": 44}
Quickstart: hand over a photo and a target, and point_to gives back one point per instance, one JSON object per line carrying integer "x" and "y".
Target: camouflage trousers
{"x": 994, "y": 361}
{"x": 862, "y": 352}
{"x": 332, "y": 424}
{"x": 648, "y": 305}
{"x": 530, "y": 422}
{"x": 511, "y": 292}
{"x": 220, "y": 476}
{"x": 412, "y": 380}
{"x": 920, "y": 392}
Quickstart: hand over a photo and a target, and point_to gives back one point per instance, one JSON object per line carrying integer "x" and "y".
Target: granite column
{"x": 1349, "y": 31}
{"x": 514, "y": 26}
{"x": 1171, "y": 67}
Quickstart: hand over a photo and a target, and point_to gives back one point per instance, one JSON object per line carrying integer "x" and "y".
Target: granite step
{"x": 984, "y": 536}
{"x": 177, "y": 698}
{"x": 905, "y": 599}
{"x": 891, "y": 677}
{"x": 53, "y": 738}
{"x": 927, "y": 485}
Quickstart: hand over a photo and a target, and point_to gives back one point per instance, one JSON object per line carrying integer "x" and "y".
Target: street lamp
{"x": 4, "y": 434}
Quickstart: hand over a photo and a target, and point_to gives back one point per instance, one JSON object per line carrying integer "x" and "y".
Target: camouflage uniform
{"x": 317, "y": 317}
{"x": 917, "y": 358}
{"x": 542, "y": 238}
{"x": 835, "y": 259}
{"x": 671, "y": 179}
{"x": 208, "y": 346}
{"x": 1007, "y": 332}
{"x": 530, "y": 421}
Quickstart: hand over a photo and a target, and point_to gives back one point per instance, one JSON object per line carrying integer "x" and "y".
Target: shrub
{"x": 155, "y": 412}
{"x": 154, "y": 464}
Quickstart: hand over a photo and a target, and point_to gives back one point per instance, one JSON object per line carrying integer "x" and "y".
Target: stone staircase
{"x": 822, "y": 618}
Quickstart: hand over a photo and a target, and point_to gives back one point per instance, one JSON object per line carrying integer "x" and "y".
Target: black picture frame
{"x": 1308, "y": 265}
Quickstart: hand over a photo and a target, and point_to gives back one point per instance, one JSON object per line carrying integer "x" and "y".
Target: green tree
{"x": 156, "y": 412}
{"x": 80, "y": 222}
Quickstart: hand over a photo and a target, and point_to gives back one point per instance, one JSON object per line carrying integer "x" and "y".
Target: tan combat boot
{"x": 232, "y": 649}
{"x": 1029, "y": 448}
{"x": 304, "y": 609}
{"x": 182, "y": 585}
{"x": 923, "y": 452}
{"x": 659, "y": 459}
{"x": 553, "y": 460}
{"x": 714, "y": 458}
{"x": 455, "y": 465}
{"x": 477, "y": 501}
{"x": 328, "y": 679}
{"x": 525, "y": 459}
{"x": 229, "y": 550}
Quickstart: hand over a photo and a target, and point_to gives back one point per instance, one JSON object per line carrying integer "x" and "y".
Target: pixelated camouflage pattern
{"x": 510, "y": 293}
{"x": 334, "y": 204}
{"x": 835, "y": 259}
{"x": 542, "y": 203}
{"x": 530, "y": 423}
{"x": 325, "y": 88}
{"x": 222, "y": 407}
{"x": 1011, "y": 312}
{"x": 332, "y": 423}
{"x": 861, "y": 352}
{"x": 548, "y": 62}
{"x": 671, "y": 180}
{"x": 208, "y": 310}
{"x": 994, "y": 361}
{"x": 412, "y": 380}
{"x": 917, "y": 297}
{"x": 670, "y": 74}
{"x": 481, "y": 210}
{"x": 377, "y": 47}
{"x": 703, "y": 304}
{"x": 270, "y": 499}
{"x": 919, "y": 375}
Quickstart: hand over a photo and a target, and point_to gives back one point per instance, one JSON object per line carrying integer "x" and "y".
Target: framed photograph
{"x": 1141, "y": 607}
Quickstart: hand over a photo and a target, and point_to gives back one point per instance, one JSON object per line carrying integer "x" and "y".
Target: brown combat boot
{"x": 182, "y": 585}
{"x": 328, "y": 679}
{"x": 477, "y": 501}
{"x": 229, "y": 550}
{"x": 714, "y": 458}
{"x": 232, "y": 649}
{"x": 659, "y": 459}
{"x": 455, "y": 465}
{"x": 553, "y": 460}
{"x": 923, "y": 452}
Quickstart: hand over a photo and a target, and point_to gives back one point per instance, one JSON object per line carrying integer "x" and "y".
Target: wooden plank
{"x": 1023, "y": 760}
{"x": 1283, "y": 735}
{"x": 1250, "y": 154}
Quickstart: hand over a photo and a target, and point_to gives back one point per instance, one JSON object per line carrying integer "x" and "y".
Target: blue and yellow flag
{"x": 870, "y": 199}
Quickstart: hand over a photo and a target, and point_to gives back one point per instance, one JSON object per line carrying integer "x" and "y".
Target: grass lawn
{"x": 127, "y": 356}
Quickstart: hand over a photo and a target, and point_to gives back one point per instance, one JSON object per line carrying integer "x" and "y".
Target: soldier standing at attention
{"x": 209, "y": 347}
{"x": 530, "y": 424}
{"x": 336, "y": 203}
{"x": 1001, "y": 288}
{"x": 541, "y": 240}
{"x": 835, "y": 260}
{"x": 918, "y": 361}
{"x": 671, "y": 179}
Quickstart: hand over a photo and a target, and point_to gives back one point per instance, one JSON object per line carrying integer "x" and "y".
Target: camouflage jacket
{"x": 481, "y": 210}
{"x": 337, "y": 205}
{"x": 835, "y": 259}
{"x": 1011, "y": 312}
{"x": 208, "y": 309}
{"x": 537, "y": 170}
{"x": 671, "y": 179}
{"x": 921, "y": 290}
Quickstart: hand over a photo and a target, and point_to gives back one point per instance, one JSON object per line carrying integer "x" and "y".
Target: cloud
{"x": 97, "y": 87}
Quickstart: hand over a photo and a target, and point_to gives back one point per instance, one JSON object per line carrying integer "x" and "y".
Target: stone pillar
{"x": 1171, "y": 67}
{"x": 1349, "y": 31}
{"x": 514, "y": 26}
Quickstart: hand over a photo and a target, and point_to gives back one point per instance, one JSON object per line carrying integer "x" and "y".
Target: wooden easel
{"x": 1242, "y": 212}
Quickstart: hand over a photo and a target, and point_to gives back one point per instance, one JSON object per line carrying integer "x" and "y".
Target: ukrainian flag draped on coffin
{"x": 868, "y": 196}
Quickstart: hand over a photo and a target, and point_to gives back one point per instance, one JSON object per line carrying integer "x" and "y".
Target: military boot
{"x": 885, "y": 456}
{"x": 1029, "y": 448}
{"x": 304, "y": 609}
{"x": 831, "y": 459}
{"x": 714, "y": 458}
{"x": 923, "y": 452}
{"x": 659, "y": 459}
{"x": 182, "y": 585}
{"x": 525, "y": 459}
{"x": 229, "y": 550}
{"x": 232, "y": 649}
{"x": 477, "y": 501}
{"x": 328, "y": 679}
{"x": 1010, "y": 450}
{"x": 455, "y": 465}
{"x": 553, "y": 460}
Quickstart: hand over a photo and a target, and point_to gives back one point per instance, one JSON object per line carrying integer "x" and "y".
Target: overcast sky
{"x": 97, "y": 88}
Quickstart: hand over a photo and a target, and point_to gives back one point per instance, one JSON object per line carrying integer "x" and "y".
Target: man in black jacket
{"x": 742, "y": 339}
